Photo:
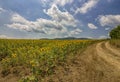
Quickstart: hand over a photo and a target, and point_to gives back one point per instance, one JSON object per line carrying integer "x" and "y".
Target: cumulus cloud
{"x": 19, "y": 19}
{"x": 86, "y": 6}
{"x": 40, "y": 25}
{"x": 76, "y": 31}
{"x": 56, "y": 2}
{"x": 64, "y": 18}
{"x": 19, "y": 26}
{"x": 58, "y": 24}
{"x": 62, "y": 2}
{"x": 109, "y": 20}
{"x": 19, "y": 22}
{"x": 92, "y": 26}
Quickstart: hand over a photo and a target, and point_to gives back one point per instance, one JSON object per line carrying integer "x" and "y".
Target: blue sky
{"x": 58, "y": 18}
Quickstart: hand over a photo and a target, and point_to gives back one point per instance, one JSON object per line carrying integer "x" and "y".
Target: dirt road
{"x": 109, "y": 54}
{"x": 98, "y": 63}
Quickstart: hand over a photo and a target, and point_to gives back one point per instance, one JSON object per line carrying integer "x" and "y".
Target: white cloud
{"x": 19, "y": 26}
{"x": 76, "y": 31}
{"x": 107, "y": 28}
{"x": 92, "y": 26}
{"x": 87, "y": 6}
{"x": 109, "y": 20}
{"x": 62, "y": 2}
{"x": 58, "y": 24}
{"x": 40, "y": 25}
{"x": 4, "y": 37}
{"x": 19, "y": 22}
{"x": 56, "y": 2}
{"x": 103, "y": 37}
{"x": 19, "y": 19}
{"x": 90, "y": 37}
{"x": 64, "y": 18}
{"x": 45, "y": 3}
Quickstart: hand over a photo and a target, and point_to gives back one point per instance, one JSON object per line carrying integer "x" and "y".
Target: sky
{"x": 35, "y": 19}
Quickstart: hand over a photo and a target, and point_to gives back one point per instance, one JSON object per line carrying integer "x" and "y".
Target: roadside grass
{"x": 115, "y": 42}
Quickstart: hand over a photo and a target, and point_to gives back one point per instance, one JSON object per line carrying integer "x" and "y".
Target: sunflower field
{"x": 33, "y": 59}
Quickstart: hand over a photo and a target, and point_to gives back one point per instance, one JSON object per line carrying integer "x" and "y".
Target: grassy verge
{"x": 115, "y": 42}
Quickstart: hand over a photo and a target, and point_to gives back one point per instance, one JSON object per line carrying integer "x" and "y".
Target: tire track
{"x": 107, "y": 56}
{"x": 115, "y": 51}
{"x": 112, "y": 50}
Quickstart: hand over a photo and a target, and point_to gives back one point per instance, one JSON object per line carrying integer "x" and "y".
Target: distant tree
{"x": 115, "y": 33}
